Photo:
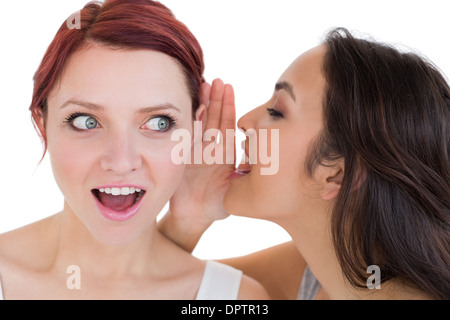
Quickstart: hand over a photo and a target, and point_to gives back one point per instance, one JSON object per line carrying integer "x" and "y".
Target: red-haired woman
{"x": 114, "y": 83}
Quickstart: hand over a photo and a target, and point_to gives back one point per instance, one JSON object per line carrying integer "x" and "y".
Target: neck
{"x": 77, "y": 246}
{"x": 313, "y": 241}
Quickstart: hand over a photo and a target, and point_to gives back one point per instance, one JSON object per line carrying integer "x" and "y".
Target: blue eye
{"x": 82, "y": 121}
{"x": 85, "y": 123}
{"x": 160, "y": 123}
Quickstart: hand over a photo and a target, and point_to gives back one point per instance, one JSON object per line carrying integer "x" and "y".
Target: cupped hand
{"x": 199, "y": 199}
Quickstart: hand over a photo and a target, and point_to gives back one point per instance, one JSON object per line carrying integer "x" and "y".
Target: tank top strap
{"x": 219, "y": 282}
{"x": 309, "y": 286}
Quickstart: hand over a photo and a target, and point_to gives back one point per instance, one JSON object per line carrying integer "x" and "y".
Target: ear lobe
{"x": 332, "y": 184}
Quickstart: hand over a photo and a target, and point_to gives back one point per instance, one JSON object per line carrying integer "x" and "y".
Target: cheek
{"x": 68, "y": 161}
{"x": 165, "y": 173}
{"x": 283, "y": 192}
{"x": 277, "y": 194}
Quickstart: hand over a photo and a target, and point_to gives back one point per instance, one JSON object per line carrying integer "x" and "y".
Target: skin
{"x": 303, "y": 213}
{"x": 122, "y": 90}
{"x": 299, "y": 203}
{"x": 298, "y": 97}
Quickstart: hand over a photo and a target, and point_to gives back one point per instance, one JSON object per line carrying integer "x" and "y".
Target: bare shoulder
{"x": 279, "y": 269}
{"x": 26, "y": 246}
{"x": 252, "y": 290}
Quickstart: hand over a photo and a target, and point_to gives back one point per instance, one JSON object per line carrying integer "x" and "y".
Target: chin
{"x": 237, "y": 203}
{"x": 244, "y": 201}
{"x": 92, "y": 227}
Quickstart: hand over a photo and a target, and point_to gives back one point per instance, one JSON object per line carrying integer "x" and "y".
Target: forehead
{"x": 114, "y": 77}
{"x": 306, "y": 76}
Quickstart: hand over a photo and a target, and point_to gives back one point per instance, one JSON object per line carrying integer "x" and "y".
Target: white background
{"x": 246, "y": 43}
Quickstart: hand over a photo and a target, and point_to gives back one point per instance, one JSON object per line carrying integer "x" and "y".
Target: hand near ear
{"x": 205, "y": 91}
{"x": 198, "y": 201}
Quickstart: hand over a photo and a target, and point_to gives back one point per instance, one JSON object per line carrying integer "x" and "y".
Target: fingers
{"x": 228, "y": 114}
{"x": 221, "y": 117}
{"x": 214, "y": 110}
{"x": 221, "y": 112}
{"x": 228, "y": 125}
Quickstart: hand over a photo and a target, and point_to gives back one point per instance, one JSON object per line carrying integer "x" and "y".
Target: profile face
{"x": 295, "y": 110}
{"x": 109, "y": 124}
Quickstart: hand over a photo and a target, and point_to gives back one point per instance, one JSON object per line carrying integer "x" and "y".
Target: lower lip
{"x": 119, "y": 215}
{"x": 236, "y": 174}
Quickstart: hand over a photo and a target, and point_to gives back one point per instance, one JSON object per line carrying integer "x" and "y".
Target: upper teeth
{"x": 124, "y": 191}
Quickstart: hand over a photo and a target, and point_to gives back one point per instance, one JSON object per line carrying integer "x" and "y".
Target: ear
{"x": 200, "y": 113}
{"x": 205, "y": 91}
{"x": 40, "y": 121}
{"x": 331, "y": 180}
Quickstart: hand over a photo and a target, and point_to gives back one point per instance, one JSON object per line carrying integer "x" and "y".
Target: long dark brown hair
{"x": 387, "y": 114}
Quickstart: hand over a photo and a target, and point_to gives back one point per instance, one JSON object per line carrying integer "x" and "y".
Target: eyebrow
{"x": 283, "y": 85}
{"x": 97, "y": 107}
{"x": 88, "y": 105}
{"x": 163, "y": 106}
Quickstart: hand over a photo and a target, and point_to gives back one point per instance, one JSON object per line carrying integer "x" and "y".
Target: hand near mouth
{"x": 198, "y": 201}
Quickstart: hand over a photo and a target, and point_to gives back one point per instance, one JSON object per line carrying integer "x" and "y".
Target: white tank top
{"x": 219, "y": 282}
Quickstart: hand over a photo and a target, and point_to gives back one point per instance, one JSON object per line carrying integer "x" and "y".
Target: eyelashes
{"x": 79, "y": 121}
{"x": 162, "y": 122}
{"x": 274, "y": 113}
{"x": 73, "y": 116}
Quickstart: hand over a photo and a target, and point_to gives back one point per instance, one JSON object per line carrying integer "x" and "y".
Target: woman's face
{"x": 295, "y": 110}
{"x": 109, "y": 125}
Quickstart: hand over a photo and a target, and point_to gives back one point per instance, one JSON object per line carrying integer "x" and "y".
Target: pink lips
{"x": 244, "y": 167}
{"x": 238, "y": 173}
{"x": 118, "y": 215}
{"x": 242, "y": 170}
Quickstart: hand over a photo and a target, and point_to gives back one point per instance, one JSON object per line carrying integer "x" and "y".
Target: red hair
{"x": 124, "y": 24}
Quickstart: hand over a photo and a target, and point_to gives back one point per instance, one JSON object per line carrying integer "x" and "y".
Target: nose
{"x": 121, "y": 154}
{"x": 248, "y": 124}
{"x": 250, "y": 119}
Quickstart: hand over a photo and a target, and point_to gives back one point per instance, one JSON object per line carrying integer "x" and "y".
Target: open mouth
{"x": 243, "y": 169}
{"x": 118, "y": 203}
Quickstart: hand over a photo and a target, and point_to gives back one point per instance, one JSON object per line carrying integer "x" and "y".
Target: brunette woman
{"x": 363, "y": 185}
